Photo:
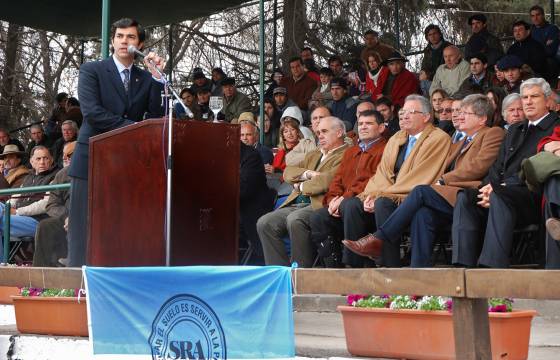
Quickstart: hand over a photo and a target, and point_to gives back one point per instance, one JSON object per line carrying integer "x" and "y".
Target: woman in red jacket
{"x": 374, "y": 73}
{"x": 290, "y": 135}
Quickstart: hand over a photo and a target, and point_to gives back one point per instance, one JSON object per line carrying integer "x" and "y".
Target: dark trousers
{"x": 77, "y": 223}
{"x": 50, "y": 242}
{"x": 352, "y": 224}
{"x": 552, "y": 209}
{"x": 426, "y": 212}
{"x": 391, "y": 252}
{"x": 510, "y": 207}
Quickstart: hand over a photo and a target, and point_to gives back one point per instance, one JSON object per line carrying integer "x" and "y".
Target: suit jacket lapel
{"x": 115, "y": 77}
{"x": 136, "y": 81}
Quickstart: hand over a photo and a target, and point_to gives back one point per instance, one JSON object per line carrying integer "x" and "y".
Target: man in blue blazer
{"x": 113, "y": 93}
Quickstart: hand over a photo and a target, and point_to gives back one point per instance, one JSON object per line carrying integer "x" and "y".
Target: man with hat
{"x": 372, "y": 43}
{"x": 483, "y": 41}
{"x": 480, "y": 77}
{"x": 529, "y": 50}
{"x": 281, "y": 100}
{"x": 398, "y": 82}
{"x": 14, "y": 171}
{"x": 299, "y": 85}
{"x": 512, "y": 65}
{"x": 199, "y": 81}
{"x": 235, "y": 102}
{"x": 450, "y": 76}
{"x": 342, "y": 105}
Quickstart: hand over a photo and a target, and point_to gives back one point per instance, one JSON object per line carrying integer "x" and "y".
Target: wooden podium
{"x": 127, "y": 192}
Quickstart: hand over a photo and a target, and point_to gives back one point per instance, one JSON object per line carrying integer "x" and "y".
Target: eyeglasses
{"x": 404, "y": 112}
{"x": 446, "y": 110}
{"x": 465, "y": 113}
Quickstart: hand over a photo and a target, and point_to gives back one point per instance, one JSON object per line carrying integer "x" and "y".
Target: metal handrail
{"x": 7, "y": 208}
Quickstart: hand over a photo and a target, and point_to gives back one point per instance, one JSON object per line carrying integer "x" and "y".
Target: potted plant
{"x": 421, "y": 327}
{"x": 51, "y": 312}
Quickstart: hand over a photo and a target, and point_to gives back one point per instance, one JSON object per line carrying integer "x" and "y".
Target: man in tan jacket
{"x": 310, "y": 179}
{"x": 429, "y": 208}
{"x": 415, "y": 155}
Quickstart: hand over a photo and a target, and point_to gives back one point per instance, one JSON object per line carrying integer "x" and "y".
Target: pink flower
{"x": 498, "y": 308}
{"x": 352, "y": 298}
{"x": 449, "y": 305}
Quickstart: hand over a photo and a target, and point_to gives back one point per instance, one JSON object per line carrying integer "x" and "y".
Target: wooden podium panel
{"x": 127, "y": 193}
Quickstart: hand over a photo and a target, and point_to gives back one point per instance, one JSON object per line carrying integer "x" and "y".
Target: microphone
{"x": 132, "y": 50}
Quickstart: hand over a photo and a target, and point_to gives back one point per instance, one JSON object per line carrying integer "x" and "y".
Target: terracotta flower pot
{"x": 51, "y": 315}
{"x": 6, "y": 293}
{"x": 415, "y": 334}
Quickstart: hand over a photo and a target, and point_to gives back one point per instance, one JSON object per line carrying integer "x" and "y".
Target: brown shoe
{"x": 553, "y": 228}
{"x": 369, "y": 246}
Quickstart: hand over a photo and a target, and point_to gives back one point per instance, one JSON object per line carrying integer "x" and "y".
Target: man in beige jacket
{"x": 310, "y": 179}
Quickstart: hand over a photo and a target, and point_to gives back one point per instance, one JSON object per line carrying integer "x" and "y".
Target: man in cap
{"x": 483, "y": 41}
{"x": 200, "y": 81}
{"x": 235, "y": 102}
{"x": 342, "y": 105}
{"x": 450, "y": 76}
{"x": 299, "y": 85}
{"x": 480, "y": 77}
{"x": 529, "y": 50}
{"x": 512, "y": 66}
{"x": 372, "y": 43}
{"x": 398, "y": 83}
{"x": 281, "y": 100}
{"x": 14, "y": 171}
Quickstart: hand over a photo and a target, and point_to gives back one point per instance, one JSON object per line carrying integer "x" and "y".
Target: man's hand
{"x": 269, "y": 169}
{"x": 484, "y": 196}
{"x": 13, "y": 211}
{"x": 369, "y": 204}
{"x": 552, "y": 146}
{"x": 334, "y": 204}
{"x": 152, "y": 61}
{"x": 310, "y": 174}
{"x": 66, "y": 224}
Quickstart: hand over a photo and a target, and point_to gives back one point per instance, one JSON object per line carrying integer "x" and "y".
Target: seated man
{"x": 299, "y": 85}
{"x": 27, "y": 211}
{"x": 38, "y": 137}
{"x": 311, "y": 181}
{"x": 50, "y": 237}
{"x": 14, "y": 171}
{"x": 69, "y": 134}
{"x": 428, "y": 209}
{"x": 250, "y": 137}
{"x": 446, "y": 117}
{"x": 342, "y": 105}
{"x": 512, "y": 110}
{"x": 414, "y": 155}
{"x": 450, "y": 76}
{"x": 480, "y": 77}
{"x": 503, "y": 202}
{"x": 235, "y": 102}
{"x": 306, "y": 145}
{"x": 398, "y": 82}
{"x": 514, "y": 74}
{"x": 385, "y": 107}
{"x": 358, "y": 165}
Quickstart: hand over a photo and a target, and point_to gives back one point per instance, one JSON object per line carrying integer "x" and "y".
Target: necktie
{"x": 411, "y": 142}
{"x": 126, "y": 80}
{"x": 458, "y": 136}
{"x": 467, "y": 141}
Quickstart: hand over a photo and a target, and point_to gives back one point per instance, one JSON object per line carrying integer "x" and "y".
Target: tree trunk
{"x": 295, "y": 29}
{"x": 8, "y": 84}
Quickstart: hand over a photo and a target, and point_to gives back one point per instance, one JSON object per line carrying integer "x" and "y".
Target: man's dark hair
{"x": 384, "y": 100}
{"x": 326, "y": 71}
{"x": 430, "y": 28}
{"x": 40, "y": 147}
{"x": 72, "y": 101}
{"x": 480, "y": 56}
{"x": 371, "y": 32}
{"x": 126, "y": 23}
{"x": 61, "y": 96}
{"x": 294, "y": 59}
{"x": 378, "y": 117}
{"x": 523, "y": 23}
{"x": 335, "y": 58}
{"x": 308, "y": 49}
{"x": 537, "y": 8}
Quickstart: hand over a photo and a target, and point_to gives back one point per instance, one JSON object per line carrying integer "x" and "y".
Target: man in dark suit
{"x": 504, "y": 202}
{"x": 429, "y": 208}
{"x": 113, "y": 93}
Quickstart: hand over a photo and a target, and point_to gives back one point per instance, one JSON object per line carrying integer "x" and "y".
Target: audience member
{"x": 235, "y": 102}
{"x": 480, "y": 78}
{"x": 451, "y": 75}
{"x": 415, "y": 155}
{"x": 6, "y": 139}
{"x": 271, "y": 135}
{"x": 14, "y": 172}
{"x": 548, "y": 35}
{"x": 58, "y": 115}
{"x": 445, "y": 121}
{"x": 188, "y": 96}
{"x": 311, "y": 70}
{"x": 437, "y": 98}
{"x": 38, "y": 137}
{"x": 200, "y": 81}
{"x": 308, "y": 144}
{"x": 275, "y": 79}
{"x": 429, "y": 208}
{"x": 310, "y": 181}
{"x": 203, "y": 104}
{"x": 358, "y": 165}
{"x": 372, "y": 44}
{"x": 299, "y": 85}
{"x": 335, "y": 64}
{"x": 294, "y": 113}
{"x": 281, "y": 99}
{"x": 306, "y": 54}
{"x": 399, "y": 82}
{"x": 363, "y": 106}
{"x": 433, "y": 53}
{"x": 69, "y": 134}
{"x": 512, "y": 67}
{"x": 456, "y": 117}
{"x": 512, "y": 110}
{"x": 342, "y": 105}
{"x": 496, "y": 96}
{"x": 250, "y": 137}
{"x": 290, "y": 136}
{"x": 50, "y": 237}
{"x": 482, "y": 41}
{"x": 529, "y": 50}
{"x": 218, "y": 75}
{"x": 375, "y": 71}
{"x": 322, "y": 95}
{"x": 504, "y": 202}
{"x": 387, "y": 110}
{"x": 73, "y": 111}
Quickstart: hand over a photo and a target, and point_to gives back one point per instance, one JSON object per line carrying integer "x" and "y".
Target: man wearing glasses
{"x": 415, "y": 155}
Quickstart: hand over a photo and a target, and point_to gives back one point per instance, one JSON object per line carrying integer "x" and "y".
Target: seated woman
{"x": 290, "y": 135}
{"x": 374, "y": 73}
{"x": 437, "y": 99}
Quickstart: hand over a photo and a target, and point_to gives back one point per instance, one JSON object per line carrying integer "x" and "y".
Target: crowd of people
{"x": 355, "y": 156}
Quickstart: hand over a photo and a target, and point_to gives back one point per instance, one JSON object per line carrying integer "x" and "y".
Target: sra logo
{"x": 187, "y": 328}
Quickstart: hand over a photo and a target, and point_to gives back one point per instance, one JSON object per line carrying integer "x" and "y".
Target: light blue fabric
{"x": 173, "y": 311}
{"x": 20, "y": 226}
{"x": 411, "y": 142}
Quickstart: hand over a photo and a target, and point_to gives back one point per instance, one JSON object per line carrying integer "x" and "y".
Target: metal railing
{"x": 7, "y": 208}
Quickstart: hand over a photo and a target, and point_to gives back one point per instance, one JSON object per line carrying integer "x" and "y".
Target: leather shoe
{"x": 369, "y": 246}
{"x": 553, "y": 228}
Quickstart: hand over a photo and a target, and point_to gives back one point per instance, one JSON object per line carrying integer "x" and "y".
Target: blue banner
{"x": 199, "y": 312}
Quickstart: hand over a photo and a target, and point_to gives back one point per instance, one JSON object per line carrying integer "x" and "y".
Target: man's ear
{"x": 140, "y": 46}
